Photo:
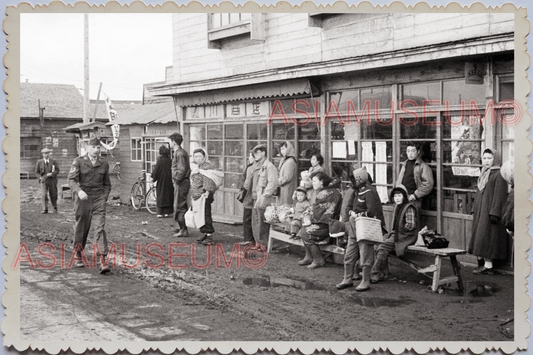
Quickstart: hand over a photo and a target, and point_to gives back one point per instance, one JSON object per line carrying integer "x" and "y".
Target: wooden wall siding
{"x": 290, "y": 41}
{"x": 129, "y": 170}
{"x": 54, "y": 129}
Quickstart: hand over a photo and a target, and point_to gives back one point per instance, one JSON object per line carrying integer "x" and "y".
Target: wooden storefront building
{"x": 357, "y": 88}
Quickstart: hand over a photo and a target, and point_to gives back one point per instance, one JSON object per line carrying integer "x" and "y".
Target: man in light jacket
{"x": 415, "y": 175}
{"x": 264, "y": 185}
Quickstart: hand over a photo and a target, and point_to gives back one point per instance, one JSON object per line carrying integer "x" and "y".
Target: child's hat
{"x": 300, "y": 188}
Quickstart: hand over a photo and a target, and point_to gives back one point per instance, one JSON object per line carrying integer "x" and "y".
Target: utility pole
{"x": 41, "y": 119}
{"x": 86, "y": 118}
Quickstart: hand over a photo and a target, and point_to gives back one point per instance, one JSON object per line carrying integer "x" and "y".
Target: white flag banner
{"x": 112, "y": 115}
{"x": 111, "y": 112}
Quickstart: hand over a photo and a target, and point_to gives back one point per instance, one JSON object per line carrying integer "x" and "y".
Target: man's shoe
{"x": 483, "y": 270}
{"x": 246, "y": 243}
{"x": 105, "y": 269}
{"x": 79, "y": 264}
{"x": 208, "y": 241}
{"x": 202, "y": 238}
{"x": 183, "y": 233}
{"x": 343, "y": 285}
{"x": 45, "y": 211}
{"x": 362, "y": 289}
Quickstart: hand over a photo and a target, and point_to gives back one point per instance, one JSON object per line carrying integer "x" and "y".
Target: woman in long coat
{"x": 162, "y": 174}
{"x": 288, "y": 174}
{"x": 489, "y": 237}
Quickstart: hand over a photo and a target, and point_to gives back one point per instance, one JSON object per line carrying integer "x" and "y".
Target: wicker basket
{"x": 368, "y": 230}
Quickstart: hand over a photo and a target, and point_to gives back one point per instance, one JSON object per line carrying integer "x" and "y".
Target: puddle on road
{"x": 281, "y": 281}
{"x": 372, "y": 302}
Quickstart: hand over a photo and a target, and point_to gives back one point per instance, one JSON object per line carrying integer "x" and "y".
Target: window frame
{"x": 135, "y": 149}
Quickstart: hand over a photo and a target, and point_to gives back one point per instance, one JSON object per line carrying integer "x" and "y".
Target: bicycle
{"x": 114, "y": 166}
{"x": 139, "y": 197}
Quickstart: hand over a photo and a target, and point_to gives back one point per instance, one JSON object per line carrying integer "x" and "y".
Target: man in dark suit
{"x": 46, "y": 171}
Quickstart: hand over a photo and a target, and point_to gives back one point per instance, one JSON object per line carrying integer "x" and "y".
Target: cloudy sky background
{"x": 125, "y": 51}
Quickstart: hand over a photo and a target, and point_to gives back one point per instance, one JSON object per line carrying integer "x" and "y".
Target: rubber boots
{"x": 378, "y": 270}
{"x": 318, "y": 259}
{"x": 365, "y": 283}
{"x": 308, "y": 259}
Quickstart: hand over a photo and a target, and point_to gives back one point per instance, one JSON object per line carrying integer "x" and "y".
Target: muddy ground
{"x": 278, "y": 301}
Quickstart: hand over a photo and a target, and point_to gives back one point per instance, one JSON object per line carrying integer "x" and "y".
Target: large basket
{"x": 368, "y": 230}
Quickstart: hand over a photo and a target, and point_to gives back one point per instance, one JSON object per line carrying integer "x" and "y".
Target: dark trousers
{"x": 208, "y": 226}
{"x": 247, "y": 225}
{"x": 180, "y": 202}
{"x": 259, "y": 226}
{"x": 49, "y": 187}
{"x": 92, "y": 209}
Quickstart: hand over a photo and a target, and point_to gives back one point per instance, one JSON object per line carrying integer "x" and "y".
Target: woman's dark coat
{"x": 162, "y": 173}
{"x": 489, "y": 240}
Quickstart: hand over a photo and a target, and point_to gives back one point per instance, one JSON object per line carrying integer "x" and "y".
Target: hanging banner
{"x": 112, "y": 115}
{"x": 368, "y": 156}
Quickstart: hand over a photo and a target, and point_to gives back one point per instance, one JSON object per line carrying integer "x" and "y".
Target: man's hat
{"x": 46, "y": 150}
{"x": 94, "y": 141}
{"x": 260, "y": 147}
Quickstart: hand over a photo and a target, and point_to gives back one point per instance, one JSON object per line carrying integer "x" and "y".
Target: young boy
{"x": 301, "y": 205}
{"x": 404, "y": 232}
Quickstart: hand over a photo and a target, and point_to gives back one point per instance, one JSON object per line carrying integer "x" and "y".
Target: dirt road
{"x": 277, "y": 301}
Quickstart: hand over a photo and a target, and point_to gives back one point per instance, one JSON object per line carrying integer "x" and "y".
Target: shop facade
{"x": 453, "y": 99}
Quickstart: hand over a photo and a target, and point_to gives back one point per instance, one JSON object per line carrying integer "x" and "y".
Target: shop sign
{"x": 473, "y": 73}
{"x": 255, "y": 109}
{"x": 235, "y": 110}
{"x": 194, "y": 112}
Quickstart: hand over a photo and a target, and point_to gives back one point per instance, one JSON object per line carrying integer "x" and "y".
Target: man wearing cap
{"x": 46, "y": 171}
{"x": 89, "y": 179}
{"x": 264, "y": 185}
{"x": 181, "y": 172}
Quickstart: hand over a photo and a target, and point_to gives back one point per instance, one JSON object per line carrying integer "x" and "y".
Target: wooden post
{"x": 86, "y": 70}
{"x": 41, "y": 119}
{"x": 97, "y": 101}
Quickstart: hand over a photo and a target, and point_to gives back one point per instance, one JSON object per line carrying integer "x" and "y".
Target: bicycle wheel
{"x": 151, "y": 201}
{"x": 137, "y": 197}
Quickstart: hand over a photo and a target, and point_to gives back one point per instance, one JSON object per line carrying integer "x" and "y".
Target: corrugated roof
{"x": 153, "y": 113}
{"x": 285, "y": 88}
{"x": 59, "y": 100}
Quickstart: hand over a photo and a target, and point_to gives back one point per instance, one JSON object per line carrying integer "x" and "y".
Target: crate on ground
{"x": 368, "y": 230}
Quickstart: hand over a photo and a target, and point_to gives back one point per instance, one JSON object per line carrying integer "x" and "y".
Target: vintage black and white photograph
{"x": 253, "y": 177}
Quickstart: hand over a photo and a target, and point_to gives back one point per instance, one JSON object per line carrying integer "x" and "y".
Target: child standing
{"x": 301, "y": 205}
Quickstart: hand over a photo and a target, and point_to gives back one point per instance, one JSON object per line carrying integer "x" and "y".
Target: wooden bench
{"x": 435, "y": 269}
{"x": 276, "y": 233}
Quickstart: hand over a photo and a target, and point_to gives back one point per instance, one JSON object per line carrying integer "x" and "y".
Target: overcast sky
{"x": 125, "y": 51}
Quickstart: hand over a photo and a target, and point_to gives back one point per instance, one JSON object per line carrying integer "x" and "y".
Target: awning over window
{"x": 78, "y": 127}
{"x": 287, "y": 88}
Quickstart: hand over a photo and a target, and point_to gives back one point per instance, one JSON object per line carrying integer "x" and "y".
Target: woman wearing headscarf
{"x": 162, "y": 174}
{"x": 489, "y": 238}
{"x": 203, "y": 185}
{"x": 288, "y": 174}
